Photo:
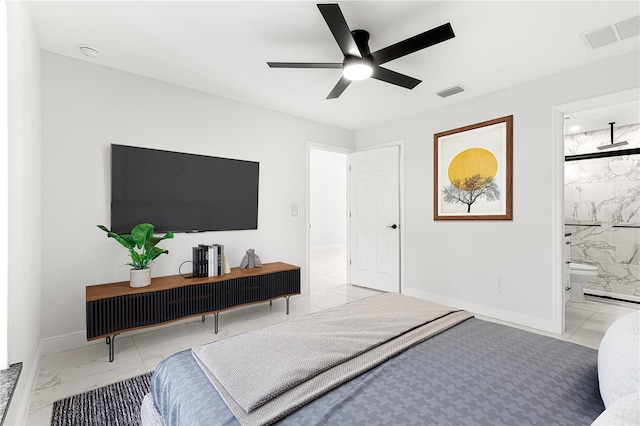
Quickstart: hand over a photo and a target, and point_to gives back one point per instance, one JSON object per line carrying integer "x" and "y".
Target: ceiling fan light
{"x": 357, "y": 71}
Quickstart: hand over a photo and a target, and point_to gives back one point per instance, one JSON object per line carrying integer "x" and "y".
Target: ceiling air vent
{"x": 450, "y": 91}
{"x": 628, "y": 28}
{"x": 611, "y": 33}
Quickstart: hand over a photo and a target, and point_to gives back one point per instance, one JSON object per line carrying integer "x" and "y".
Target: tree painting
{"x": 472, "y": 176}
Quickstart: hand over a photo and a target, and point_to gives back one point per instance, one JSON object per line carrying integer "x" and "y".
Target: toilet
{"x": 580, "y": 273}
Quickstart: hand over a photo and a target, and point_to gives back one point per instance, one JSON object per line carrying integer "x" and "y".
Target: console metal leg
{"x": 270, "y": 302}
{"x": 288, "y": 304}
{"x": 215, "y": 317}
{"x": 203, "y": 318}
{"x": 112, "y": 347}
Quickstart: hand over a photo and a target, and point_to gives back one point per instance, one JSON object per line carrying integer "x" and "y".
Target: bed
{"x": 467, "y": 371}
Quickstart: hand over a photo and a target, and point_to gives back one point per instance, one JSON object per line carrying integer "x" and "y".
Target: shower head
{"x": 613, "y": 145}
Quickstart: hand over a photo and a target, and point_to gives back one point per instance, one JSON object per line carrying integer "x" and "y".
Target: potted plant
{"x": 142, "y": 247}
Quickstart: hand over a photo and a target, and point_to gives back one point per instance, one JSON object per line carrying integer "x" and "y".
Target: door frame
{"x": 330, "y": 148}
{"x": 343, "y": 150}
{"x": 557, "y": 190}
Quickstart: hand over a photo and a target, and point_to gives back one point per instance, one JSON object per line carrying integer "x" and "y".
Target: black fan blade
{"x": 340, "y": 30}
{"x": 343, "y": 83}
{"x": 396, "y": 78}
{"x": 305, "y": 65}
{"x": 413, "y": 44}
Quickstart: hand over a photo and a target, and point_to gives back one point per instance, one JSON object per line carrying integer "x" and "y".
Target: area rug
{"x": 115, "y": 404}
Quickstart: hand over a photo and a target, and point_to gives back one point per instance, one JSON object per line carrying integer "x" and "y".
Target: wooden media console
{"x": 115, "y": 308}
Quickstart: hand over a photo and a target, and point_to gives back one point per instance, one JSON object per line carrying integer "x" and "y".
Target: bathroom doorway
{"x": 602, "y": 197}
{"x": 558, "y": 205}
{"x": 565, "y": 314}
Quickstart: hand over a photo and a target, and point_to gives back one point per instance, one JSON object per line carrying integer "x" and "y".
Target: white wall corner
{"x": 4, "y": 191}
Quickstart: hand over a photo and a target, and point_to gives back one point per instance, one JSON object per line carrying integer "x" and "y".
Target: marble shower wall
{"x": 602, "y": 211}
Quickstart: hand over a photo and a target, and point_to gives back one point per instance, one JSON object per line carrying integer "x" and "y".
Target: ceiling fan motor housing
{"x": 361, "y": 37}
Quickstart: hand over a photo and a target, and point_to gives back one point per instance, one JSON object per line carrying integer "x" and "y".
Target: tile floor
{"x": 79, "y": 370}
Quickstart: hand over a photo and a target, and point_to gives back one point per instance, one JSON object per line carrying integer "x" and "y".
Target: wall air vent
{"x": 451, "y": 91}
{"x": 611, "y": 33}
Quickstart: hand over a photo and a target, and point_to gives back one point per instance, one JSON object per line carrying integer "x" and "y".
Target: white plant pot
{"x": 140, "y": 277}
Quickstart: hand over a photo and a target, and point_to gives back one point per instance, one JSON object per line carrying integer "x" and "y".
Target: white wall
{"x": 4, "y": 189}
{"x": 459, "y": 262}
{"x": 25, "y": 207}
{"x": 87, "y": 107}
{"x": 328, "y": 198}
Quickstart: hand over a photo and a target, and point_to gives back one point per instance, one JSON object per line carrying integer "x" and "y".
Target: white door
{"x": 374, "y": 218}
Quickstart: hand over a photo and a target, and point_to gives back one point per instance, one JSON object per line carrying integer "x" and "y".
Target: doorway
{"x": 331, "y": 239}
{"x": 328, "y": 211}
{"x": 602, "y": 200}
{"x": 558, "y": 189}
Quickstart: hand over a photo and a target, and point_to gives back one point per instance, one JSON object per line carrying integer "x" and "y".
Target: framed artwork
{"x": 473, "y": 174}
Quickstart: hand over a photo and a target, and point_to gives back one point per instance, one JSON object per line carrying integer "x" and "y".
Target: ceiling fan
{"x": 359, "y": 62}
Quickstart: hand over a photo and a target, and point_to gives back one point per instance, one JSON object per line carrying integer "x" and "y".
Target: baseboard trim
{"x": 537, "y": 323}
{"x": 30, "y": 387}
{"x": 65, "y": 342}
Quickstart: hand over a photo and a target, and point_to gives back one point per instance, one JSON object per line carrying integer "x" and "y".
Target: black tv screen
{"x": 181, "y": 192}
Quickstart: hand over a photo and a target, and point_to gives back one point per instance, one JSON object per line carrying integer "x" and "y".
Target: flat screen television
{"x": 181, "y": 192}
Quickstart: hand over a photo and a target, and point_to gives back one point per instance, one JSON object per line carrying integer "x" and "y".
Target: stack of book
{"x": 208, "y": 260}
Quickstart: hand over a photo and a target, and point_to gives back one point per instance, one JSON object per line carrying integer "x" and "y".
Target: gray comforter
{"x": 476, "y": 373}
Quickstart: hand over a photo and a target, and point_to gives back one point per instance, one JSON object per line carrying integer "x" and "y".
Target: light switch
{"x": 294, "y": 209}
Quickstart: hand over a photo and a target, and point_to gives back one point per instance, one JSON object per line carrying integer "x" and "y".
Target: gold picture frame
{"x": 473, "y": 172}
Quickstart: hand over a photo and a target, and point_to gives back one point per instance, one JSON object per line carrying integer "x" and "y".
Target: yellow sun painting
{"x": 471, "y": 162}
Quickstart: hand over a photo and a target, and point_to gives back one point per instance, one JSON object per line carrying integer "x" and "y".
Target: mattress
{"x": 476, "y": 373}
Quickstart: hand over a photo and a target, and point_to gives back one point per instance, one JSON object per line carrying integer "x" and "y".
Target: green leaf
{"x": 151, "y": 242}
{"x": 155, "y": 252}
{"x": 141, "y": 233}
{"x": 124, "y": 239}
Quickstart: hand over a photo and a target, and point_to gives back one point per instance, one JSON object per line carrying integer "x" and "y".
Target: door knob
{"x": 394, "y": 226}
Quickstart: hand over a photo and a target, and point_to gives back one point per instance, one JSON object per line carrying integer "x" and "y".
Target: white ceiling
{"x": 222, "y": 48}
{"x": 622, "y": 114}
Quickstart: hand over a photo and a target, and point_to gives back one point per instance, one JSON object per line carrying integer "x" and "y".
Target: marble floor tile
{"x": 67, "y": 366}
{"x": 48, "y": 395}
{"x": 94, "y": 352}
{"x": 169, "y": 340}
{"x": 607, "y": 306}
{"x": 574, "y": 319}
{"x": 586, "y": 337}
{"x": 298, "y": 306}
{"x": 40, "y": 416}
